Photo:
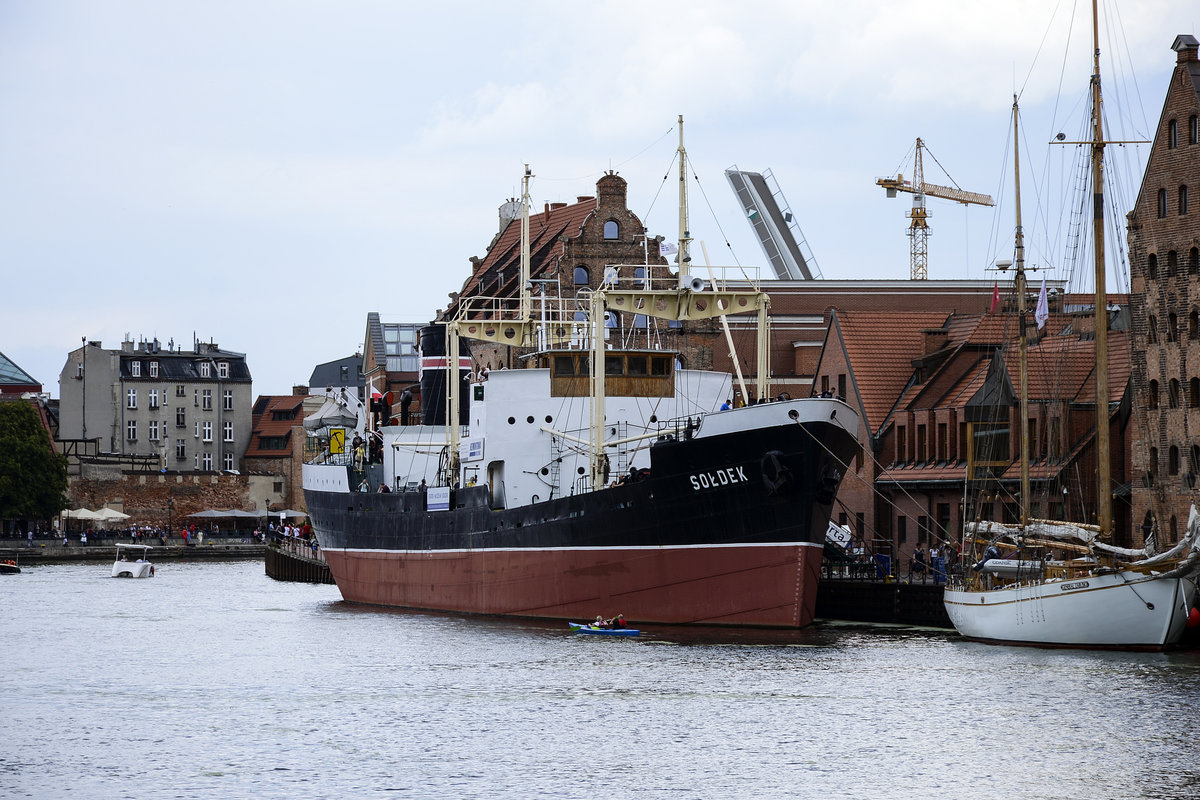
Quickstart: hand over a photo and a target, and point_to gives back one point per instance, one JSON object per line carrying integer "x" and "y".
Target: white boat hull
{"x": 1125, "y": 610}
{"x": 133, "y": 569}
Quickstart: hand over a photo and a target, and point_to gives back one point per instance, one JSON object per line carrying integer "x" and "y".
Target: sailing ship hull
{"x": 1120, "y": 610}
{"x": 724, "y": 529}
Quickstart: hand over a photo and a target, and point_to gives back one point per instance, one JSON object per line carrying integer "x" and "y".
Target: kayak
{"x": 580, "y": 627}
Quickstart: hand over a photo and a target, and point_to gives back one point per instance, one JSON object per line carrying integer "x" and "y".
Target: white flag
{"x": 1042, "y": 312}
{"x": 667, "y": 248}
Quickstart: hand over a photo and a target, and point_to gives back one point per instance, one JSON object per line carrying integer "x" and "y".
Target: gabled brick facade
{"x": 1164, "y": 258}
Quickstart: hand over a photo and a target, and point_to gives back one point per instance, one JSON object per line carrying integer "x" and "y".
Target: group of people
{"x": 616, "y": 622}
{"x": 939, "y": 560}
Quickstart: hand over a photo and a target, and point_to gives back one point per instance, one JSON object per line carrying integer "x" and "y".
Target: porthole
{"x": 581, "y": 470}
{"x": 549, "y": 419}
{"x": 512, "y": 420}
{"x": 529, "y": 419}
{"x": 654, "y": 417}
{"x": 545, "y": 470}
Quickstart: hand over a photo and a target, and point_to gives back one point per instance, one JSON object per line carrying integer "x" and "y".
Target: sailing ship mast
{"x": 1023, "y": 376}
{"x": 1103, "y": 467}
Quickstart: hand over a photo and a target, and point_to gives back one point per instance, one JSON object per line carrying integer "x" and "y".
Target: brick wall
{"x": 1165, "y": 279}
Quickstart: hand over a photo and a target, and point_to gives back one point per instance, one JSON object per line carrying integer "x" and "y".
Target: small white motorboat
{"x": 133, "y": 561}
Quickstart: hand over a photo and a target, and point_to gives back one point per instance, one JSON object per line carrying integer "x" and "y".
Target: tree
{"x": 33, "y": 477}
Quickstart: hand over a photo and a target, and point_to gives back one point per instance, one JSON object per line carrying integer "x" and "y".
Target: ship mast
{"x": 685, "y": 238}
{"x": 1023, "y": 376}
{"x": 1103, "y": 467}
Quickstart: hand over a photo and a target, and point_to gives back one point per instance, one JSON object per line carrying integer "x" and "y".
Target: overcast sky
{"x": 264, "y": 174}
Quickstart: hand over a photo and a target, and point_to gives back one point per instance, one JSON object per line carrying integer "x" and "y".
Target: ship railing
{"x": 680, "y": 427}
{"x": 301, "y": 548}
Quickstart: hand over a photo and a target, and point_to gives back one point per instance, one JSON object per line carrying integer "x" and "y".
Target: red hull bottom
{"x": 770, "y": 586}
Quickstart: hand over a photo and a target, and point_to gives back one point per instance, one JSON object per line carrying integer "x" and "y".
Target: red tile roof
{"x": 266, "y": 408}
{"x": 504, "y": 255}
{"x": 880, "y": 347}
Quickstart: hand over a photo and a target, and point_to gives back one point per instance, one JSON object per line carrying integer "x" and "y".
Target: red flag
{"x": 995, "y": 298}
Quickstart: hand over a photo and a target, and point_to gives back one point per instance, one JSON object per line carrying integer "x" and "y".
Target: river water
{"x": 212, "y": 681}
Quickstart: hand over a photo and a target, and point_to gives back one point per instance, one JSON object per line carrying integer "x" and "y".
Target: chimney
{"x": 932, "y": 340}
{"x": 300, "y": 390}
{"x": 1185, "y": 46}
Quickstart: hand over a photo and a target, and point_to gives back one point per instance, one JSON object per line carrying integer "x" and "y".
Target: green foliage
{"x": 33, "y": 478}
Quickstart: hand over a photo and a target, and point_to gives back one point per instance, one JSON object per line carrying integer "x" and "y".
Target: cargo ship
{"x": 596, "y": 480}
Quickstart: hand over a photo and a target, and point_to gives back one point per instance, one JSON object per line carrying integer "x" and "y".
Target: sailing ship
{"x": 596, "y": 478}
{"x": 1060, "y": 584}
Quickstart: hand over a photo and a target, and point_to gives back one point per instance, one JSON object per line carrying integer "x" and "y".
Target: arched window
{"x": 612, "y": 230}
{"x": 1183, "y": 199}
{"x": 1152, "y": 330}
{"x": 1194, "y": 261}
{"x": 1194, "y": 393}
{"x": 1193, "y": 130}
{"x": 1152, "y": 467}
{"x": 639, "y": 277}
{"x": 1172, "y": 134}
{"x": 1194, "y": 324}
{"x": 1152, "y": 266}
{"x": 1162, "y": 203}
{"x": 1172, "y": 327}
{"x": 581, "y": 276}
{"x": 1152, "y": 400}
{"x": 1173, "y": 461}
{"x": 1173, "y": 398}
{"x": 1194, "y": 459}
{"x": 1172, "y": 263}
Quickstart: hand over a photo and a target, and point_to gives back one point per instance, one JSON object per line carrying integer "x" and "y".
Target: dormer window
{"x": 612, "y": 230}
{"x": 205, "y": 369}
{"x": 223, "y": 369}
{"x": 135, "y": 369}
{"x": 153, "y": 369}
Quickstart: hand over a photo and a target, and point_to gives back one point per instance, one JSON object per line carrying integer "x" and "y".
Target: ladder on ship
{"x": 555, "y": 466}
{"x": 620, "y": 431}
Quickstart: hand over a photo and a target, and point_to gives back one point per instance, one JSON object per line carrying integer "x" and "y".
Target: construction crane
{"x": 918, "y": 229}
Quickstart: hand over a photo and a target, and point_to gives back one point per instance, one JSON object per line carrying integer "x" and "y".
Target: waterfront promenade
{"x": 47, "y": 551}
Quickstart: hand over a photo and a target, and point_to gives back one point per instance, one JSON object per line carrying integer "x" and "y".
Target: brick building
{"x": 1164, "y": 257}
{"x": 276, "y": 447}
{"x": 937, "y": 404}
{"x": 390, "y": 366}
{"x": 573, "y": 247}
